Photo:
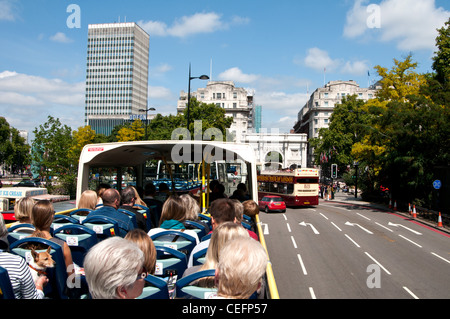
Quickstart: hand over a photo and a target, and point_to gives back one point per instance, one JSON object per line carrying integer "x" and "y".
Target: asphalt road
{"x": 341, "y": 250}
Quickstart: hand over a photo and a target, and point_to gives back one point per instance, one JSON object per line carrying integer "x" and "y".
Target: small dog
{"x": 40, "y": 262}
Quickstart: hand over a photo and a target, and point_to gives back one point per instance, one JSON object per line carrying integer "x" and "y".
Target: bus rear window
{"x": 307, "y": 180}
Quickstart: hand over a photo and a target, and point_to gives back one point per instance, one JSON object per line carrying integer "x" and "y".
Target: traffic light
{"x": 333, "y": 170}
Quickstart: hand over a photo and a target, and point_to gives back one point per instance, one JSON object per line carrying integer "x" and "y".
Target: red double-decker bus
{"x": 298, "y": 187}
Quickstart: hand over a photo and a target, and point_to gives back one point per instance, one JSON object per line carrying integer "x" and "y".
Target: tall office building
{"x": 116, "y": 75}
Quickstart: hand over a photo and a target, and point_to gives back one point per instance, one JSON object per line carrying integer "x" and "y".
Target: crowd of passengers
{"x": 116, "y": 267}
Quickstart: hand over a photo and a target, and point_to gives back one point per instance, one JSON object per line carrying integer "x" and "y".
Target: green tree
{"x": 135, "y": 132}
{"x": 83, "y": 136}
{"x": 50, "y": 151}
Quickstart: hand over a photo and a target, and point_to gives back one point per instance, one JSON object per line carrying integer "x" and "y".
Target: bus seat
{"x": 129, "y": 214}
{"x": 200, "y": 228}
{"x": 80, "y": 214}
{"x": 176, "y": 240}
{"x": 155, "y": 288}
{"x": 62, "y": 220}
{"x": 19, "y": 231}
{"x": 169, "y": 262}
{"x": 6, "y": 290}
{"x": 184, "y": 290}
{"x": 103, "y": 226}
{"x": 206, "y": 237}
{"x": 199, "y": 257}
{"x": 56, "y": 287}
{"x": 79, "y": 238}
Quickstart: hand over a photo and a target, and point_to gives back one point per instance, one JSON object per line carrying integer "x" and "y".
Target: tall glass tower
{"x": 116, "y": 75}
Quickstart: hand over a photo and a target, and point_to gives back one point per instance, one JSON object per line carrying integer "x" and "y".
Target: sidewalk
{"x": 350, "y": 199}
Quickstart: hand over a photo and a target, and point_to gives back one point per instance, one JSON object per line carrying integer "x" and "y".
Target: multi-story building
{"x": 116, "y": 75}
{"x": 315, "y": 114}
{"x": 237, "y": 102}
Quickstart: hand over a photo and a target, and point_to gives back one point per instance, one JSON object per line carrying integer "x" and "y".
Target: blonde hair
{"x": 241, "y": 267}
{"x": 145, "y": 243}
{"x": 138, "y": 200}
{"x": 173, "y": 208}
{"x": 88, "y": 199}
{"x": 22, "y": 209}
{"x": 192, "y": 207}
{"x": 251, "y": 208}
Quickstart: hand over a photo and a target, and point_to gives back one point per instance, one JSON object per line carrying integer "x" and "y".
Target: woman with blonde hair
{"x": 145, "y": 243}
{"x": 22, "y": 209}
{"x": 224, "y": 233}
{"x": 88, "y": 199}
{"x": 192, "y": 207}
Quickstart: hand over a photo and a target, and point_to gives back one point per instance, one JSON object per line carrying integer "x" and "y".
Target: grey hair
{"x": 112, "y": 263}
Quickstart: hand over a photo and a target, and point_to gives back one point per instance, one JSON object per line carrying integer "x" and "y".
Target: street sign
{"x": 437, "y": 184}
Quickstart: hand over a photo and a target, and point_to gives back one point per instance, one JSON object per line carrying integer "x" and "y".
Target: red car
{"x": 271, "y": 203}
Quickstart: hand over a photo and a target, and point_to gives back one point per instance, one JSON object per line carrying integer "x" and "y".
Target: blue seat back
{"x": 62, "y": 220}
{"x": 199, "y": 257}
{"x": 183, "y": 289}
{"x": 155, "y": 288}
{"x": 200, "y": 228}
{"x": 147, "y": 213}
{"x": 103, "y": 226}
{"x": 175, "y": 239}
{"x": 80, "y": 214}
{"x": 56, "y": 288}
{"x": 5, "y": 285}
{"x": 19, "y": 231}
{"x": 169, "y": 262}
{"x": 79, "y": 238}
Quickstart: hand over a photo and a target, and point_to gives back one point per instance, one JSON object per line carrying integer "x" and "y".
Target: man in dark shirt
{"x": 111, "y": 201}
{"x": 151, "y": 201}
{"x": 128, "y": 200}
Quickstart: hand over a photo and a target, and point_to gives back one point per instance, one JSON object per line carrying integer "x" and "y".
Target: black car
{"x": 28, "y": 183}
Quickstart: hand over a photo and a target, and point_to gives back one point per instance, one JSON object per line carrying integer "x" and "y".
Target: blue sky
{"x": 278, "y": 49}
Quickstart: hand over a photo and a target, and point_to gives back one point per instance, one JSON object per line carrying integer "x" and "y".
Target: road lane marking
{"x": 301, "y": 264}
{"x": 288, "y": 227}
{"x": 324, "y": 216}
{"x": 411, "y": 293}
{"x": 336, "y": 226}
{"x": 352, "y": 241}
{"x": 411, "y": 230}
{"x": 311, "y": 291}
{"x": 293, "y": 242}
{"x": 353, "y": 224}
{"x": 441, "y": 257}
{"x": 284, "y": 215}
{"x": 363, "y": 216}
{"x": 410, "y": 241}
{"x": 381, "y": 266}
{"x": 384, "y": 227}
{"x": 312, "y": 227}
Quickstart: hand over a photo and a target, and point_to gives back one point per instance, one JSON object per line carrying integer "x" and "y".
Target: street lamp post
{"x": 146, "y": 120}
{"x": 202, "y": 77}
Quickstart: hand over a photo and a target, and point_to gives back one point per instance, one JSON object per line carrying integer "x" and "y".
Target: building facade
{"x": 116, "y": 75}
{"x": 316, "y": 113}
{"x": 237, "y": 102}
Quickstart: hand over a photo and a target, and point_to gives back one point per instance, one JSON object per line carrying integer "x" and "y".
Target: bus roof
{"x": 175, "y": 151}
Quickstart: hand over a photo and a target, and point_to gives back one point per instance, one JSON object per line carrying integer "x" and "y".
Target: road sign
{"x": 437, "y": 184}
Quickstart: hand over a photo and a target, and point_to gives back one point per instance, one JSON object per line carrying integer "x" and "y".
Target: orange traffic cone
{"x": 409, "y": 208}
{"x": 395, "y": 205}
{"x": 440, "y": 220}
{"x": 414, "y": 211}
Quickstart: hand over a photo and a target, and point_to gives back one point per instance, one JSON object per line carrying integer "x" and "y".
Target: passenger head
{"x": 88, "y": 199}
{"x": 111, "y": 197}
{"x": 224, "y": 233}
{"x": 173, "y": 208}
{"x": 22, "y": 209}
{"x": 239, "y": 209}
{"x": 222, "y": 210}
{"x": 128, "y": 195}
{"x": 241, "y": 267}
{"x": 149, "y": 189}
{"x": 145, "y": 243}
{"x": 251, "y": 208}
{"x": 115, "y": 269}
{"x": 192, "y": 207}
{"x": 42, "y": 217}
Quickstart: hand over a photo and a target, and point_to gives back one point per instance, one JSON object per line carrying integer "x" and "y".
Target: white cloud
{"x": 60, "y": 37}
{"x": 160, "y": 92}
{"x": 24, "y": 97}
{"x": 190, "y": 25}
{"x": 411, "y": 24}
{"x": 318, "y": 59}
{"x": 235, "y": 74}
{"x": 355, "y": 67}
{"x": 7, "y": 10}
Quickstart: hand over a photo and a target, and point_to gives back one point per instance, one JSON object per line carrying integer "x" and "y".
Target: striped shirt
{"x": 20, "y": 276}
